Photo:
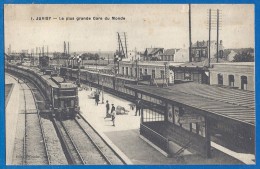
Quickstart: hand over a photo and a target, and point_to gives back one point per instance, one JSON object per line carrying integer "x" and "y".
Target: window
{"x": 123, "y": 70}
{"x": 220, "y": 79}
{"x": 231, "y": 80}
{"x": 153, "y": 74}
{"x": 162, "y": 74}
{"x": 131, "y": 71}
{"x": 187, "y": 76}
{"x": 243, "y": 82}
{"x": 152, "y": 115}
{"x": 136, "y": 72}
{"x": 145, "y": 71}
{"x": 141, "y": 72}
{"x": 126, "y": 71}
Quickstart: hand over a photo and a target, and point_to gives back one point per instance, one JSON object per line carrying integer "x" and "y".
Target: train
{"x": 62, "y": 97}
{"x": 111, "y": 83}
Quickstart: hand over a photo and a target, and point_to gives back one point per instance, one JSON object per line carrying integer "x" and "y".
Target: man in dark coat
{"x": 138, "y": 107}
{"x": 107, "y": 110}
{"x": 96, "y": 98}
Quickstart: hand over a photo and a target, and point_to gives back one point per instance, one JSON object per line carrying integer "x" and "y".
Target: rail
{"x": 155, "y": 137}
{"x": 124, "y": 161}
{"x": 74, "y": 145}
{"x": 95, "y": 145}
{"x": 25, "y": 133}
{"x": 42, "y": 130}
{"x": 65, "y": 146}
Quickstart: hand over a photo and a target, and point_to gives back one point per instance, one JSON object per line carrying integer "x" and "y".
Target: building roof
{"x": 203, "y": 63}
{"x": 169, "y": 52}
{"x": 205, "y": 44}
{"x": 235, "y": 104}
{"x": 200, "y": 44}
{"x": 152, "y": 51}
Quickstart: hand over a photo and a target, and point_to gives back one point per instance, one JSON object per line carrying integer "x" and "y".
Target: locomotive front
{"x": 68, "y": 100}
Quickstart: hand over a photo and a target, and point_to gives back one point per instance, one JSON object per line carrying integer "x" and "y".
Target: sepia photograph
{"x": 129, "y": 84}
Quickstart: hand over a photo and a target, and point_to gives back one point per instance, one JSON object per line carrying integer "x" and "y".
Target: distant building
{"x": 132, "y": 56}
{"x": 25, "y": 51}
{"x": 168, "y": 55}
{"x": 191, "y": 72}
{"x": 200, "y": 49}
{"x": 152, "y": 54}
{"x": 154, "y": 72}
{"x": 238, "y": 75}
{"x": 181, "y": 55}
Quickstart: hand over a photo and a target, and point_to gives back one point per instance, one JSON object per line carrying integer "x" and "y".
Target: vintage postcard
{"x": 130, "y": 84}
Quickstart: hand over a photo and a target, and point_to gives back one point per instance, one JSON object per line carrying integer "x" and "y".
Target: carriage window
{"x": 231, "y": 80}
{"x": 162, "y": 74}
{"x": 67, "y": 93}
{"x": 145, "y": 71}
{"x": 131, "y": 71}
{"x": 220, "y": 79}
{"x": 243, "y": 82}
{"x": 62, "y": 104}
{"x": 153, "y": 74}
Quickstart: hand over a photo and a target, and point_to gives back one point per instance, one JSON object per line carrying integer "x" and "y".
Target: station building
{"x": 154, "y": 72}
{"x": 238, "y": 75}
{"x": 190, "y": 72}
{"x": 192, "y": 115}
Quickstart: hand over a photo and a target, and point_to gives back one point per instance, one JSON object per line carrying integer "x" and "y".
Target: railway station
{"x": 167, "y": 100}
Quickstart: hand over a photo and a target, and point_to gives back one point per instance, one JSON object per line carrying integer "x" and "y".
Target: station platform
{"x": 126, "y": 137}
{"x": 11, "y": 114}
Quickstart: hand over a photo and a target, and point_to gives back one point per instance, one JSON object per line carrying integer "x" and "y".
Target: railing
{"x": 159, "y": 140}
{"x": 187, "y": 145}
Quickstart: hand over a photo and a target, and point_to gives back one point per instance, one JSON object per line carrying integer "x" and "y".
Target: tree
{"x": 244, "y": 57}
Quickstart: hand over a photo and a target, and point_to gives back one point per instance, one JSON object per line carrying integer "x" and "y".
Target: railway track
{"x": 35, "y": 149}
{"x": 82, "y": 145}
{"x": 113, "y": 156}
{"x": 70, "y": 149}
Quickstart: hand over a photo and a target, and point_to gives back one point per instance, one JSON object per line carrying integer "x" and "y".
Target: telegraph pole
{"x": 190, "y": 58}
{"x": 217, "y": 32}
{"x": 125, "y": 44}
{"x": 214, "y": 23}
{"x": 209, "y": 34}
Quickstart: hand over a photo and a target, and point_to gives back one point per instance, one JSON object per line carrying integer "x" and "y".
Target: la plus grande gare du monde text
{"x": 48, "y": 18}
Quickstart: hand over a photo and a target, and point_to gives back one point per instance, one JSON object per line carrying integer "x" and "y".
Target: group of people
{"x": 112, "y": 113}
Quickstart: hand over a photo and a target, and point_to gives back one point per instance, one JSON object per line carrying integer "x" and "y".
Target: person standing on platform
{"x": 113, "y": 115}
{"x": 112, "y": 109}
{"x": 138, "y": 108}
{"x": 96, "y": 98}
{"x": 107, "y": 109}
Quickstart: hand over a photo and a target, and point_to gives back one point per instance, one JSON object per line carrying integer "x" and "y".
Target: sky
{"x": 146, "y": 26}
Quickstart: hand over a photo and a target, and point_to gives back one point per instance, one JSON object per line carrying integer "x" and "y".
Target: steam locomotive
{"x": 62, "y": 97}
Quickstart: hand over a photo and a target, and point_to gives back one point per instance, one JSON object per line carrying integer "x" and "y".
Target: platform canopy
{"x": 231, "y": 103}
